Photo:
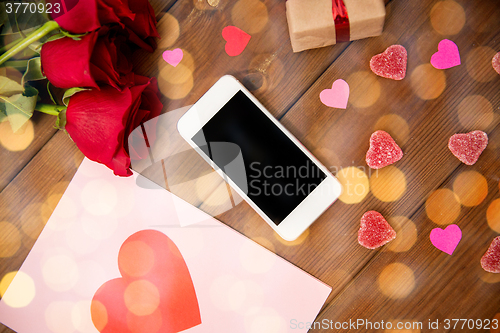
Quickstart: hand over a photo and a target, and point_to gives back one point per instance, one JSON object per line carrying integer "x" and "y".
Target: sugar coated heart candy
{"x": 490, "y": 261}
{"x": 467, "y": 147}
{"x": 495, "y": 62}
{"x": 374, "y": 230}
{"x": 383, "y": 150}
{"x": 391, "y": 63}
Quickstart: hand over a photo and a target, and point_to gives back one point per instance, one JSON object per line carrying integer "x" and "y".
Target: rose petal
{"x": 80, "y": 19}
{"x": 66, "y": 62}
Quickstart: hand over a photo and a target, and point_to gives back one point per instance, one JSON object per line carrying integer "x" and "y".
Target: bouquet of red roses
{"x": 87, "y": 53}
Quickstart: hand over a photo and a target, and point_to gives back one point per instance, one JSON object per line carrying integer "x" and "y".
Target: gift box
{"x": 318, "y": 23}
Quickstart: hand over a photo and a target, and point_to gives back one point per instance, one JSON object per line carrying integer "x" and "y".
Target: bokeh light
{"x": 99, "y": 315}
{"x": 489, "y": 277}
{"x": 471, "y": 188}
{"x": 250, "y": 21}
{"x": 169, "y": 30}
{"x": 396, "y": 281}
{"x": 81, "y": 317}
{"x": 136, "y": 258}
{"x": 427, "y": 82}
{"x": 256, "y": 260}
{"x": 493, "y": 215}
{"x": 355, "y": 185}
{"x": 18, "y": 141}
{"x": 475, "y": 113}
{"x": 141, "y": 297}
{"x": 140, "y": 324}
{"x": 17, "y": 289}
{"x": 478, "y": 63}
{"x": 447, "y": 17}
{"x": 394, "y": 124}
{"x": 60, "y": 272}
{"x": 99, "y": 197}
{"x": 245, "y": 297}
{"x": 442, "y": 206}
{"x": 58, "y": 317}
{"x": 364, "y": 89}
{"x": 99, "y": 227}
{"x": 406, "y": 231}
{"x": 388, "y": 184}
{"x": 295, "y": 242}
{"x": 10, "y": 239}
{"x": 267, "y": 320}
{"x": 176, "y": 82}
{"x": 33, "y": 223}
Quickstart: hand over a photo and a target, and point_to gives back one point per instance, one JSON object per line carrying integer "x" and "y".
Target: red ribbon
{"x": 341, "y": 19}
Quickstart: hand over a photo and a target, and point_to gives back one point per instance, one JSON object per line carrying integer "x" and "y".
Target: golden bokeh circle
{"x": 99, "y": 315}
{"x": 471, "y": 188}
{"x": 489, "y": 277}
{"x": 406, "y": 231}
{"x": 169, "y": 70}
{"x": 33, "y": 222}
{"x": 10, "y": 239}
{"x": 355, "y": 184}
{"x": 175, "y": 91}
{"x": 493, "y": 215}
{"x": 21, "y": 289}
{"x": 475, "y": 113}
{"x": 396, "y": 125}
{"x": 169, "y": 30}
{"x": 127, "y": 260}
{"x": 428, "y": 82}
{"x": 295, "y": 242}
{"x": 141, "y": 297}
{"x": 443, "y": 206}
{"x": 396, "y": 281}
{"x": 478, "y": 63}
{"x": 388, "y": 184}
{"x": 250, "y": 21}
{"x": 21, "y": 139}
{"x": 447, "y": 17}
{"x": 364, "y": 89}
{"x": 139, "y": 324}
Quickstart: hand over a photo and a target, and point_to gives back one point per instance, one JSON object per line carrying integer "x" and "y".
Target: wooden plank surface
{"x": 411, "y": 281}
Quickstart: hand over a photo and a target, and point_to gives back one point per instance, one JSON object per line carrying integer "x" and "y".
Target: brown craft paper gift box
{"x": 317, "y": 23}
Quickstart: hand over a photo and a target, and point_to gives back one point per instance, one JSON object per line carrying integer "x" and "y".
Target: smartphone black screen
{"x": 278, "y": 176}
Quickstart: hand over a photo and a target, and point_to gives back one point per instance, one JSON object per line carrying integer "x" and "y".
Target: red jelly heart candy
{"x": 490, "y": 261}
{"x": 391, "y": 63}
{"x": 383, "y": 150}
{"x": 374, "y": 230}
{"x": 495, "y": 62}
{"x": 467, "y": 147}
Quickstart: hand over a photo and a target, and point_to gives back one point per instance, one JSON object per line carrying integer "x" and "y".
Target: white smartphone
{"x": 263, "y": 162}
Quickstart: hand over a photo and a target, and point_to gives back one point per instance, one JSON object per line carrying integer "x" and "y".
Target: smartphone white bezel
{"x": 310, "y": 208}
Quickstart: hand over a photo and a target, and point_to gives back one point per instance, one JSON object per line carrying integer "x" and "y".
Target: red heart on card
{"x": 374, "y": 230}
{"x": 490, "y": 261}
{"x": 391, "y": 63}
{"x": 383, "y": 150}
{"x": 236, "y": 40}
{"x": 155, "y": 292}
{"x": 446, "y": 240}
{"x": 469, "y": 146}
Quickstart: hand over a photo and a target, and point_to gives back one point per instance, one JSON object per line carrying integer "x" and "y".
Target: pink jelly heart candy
{"x": 383, "y": 150}
{"x": 490, "y": 261}
{"x": 495, "y": 62}
{"x": 374, "y": 230}
{"x": 391, "y": 63}
{"x": 467, "y": 147}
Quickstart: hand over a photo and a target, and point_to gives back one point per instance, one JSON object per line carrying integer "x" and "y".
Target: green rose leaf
{"x": 61, "y": 120}
{"x": 70, "y": 92}
{"x": 33, "y": 71}
{"x": 19, "y": 107}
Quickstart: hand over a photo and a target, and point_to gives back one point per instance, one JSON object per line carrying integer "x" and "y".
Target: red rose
{"x": 100, "y": 121}
{"x": 81, "y": 16}
{"x": 105, "y": 58}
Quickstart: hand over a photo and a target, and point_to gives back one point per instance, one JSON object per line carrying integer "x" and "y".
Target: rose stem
{"x": 33, "y": 37}
{"x": 53, "y": 110}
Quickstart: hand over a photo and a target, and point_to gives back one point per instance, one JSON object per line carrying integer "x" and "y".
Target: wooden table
{"x": 407, "y": 280}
